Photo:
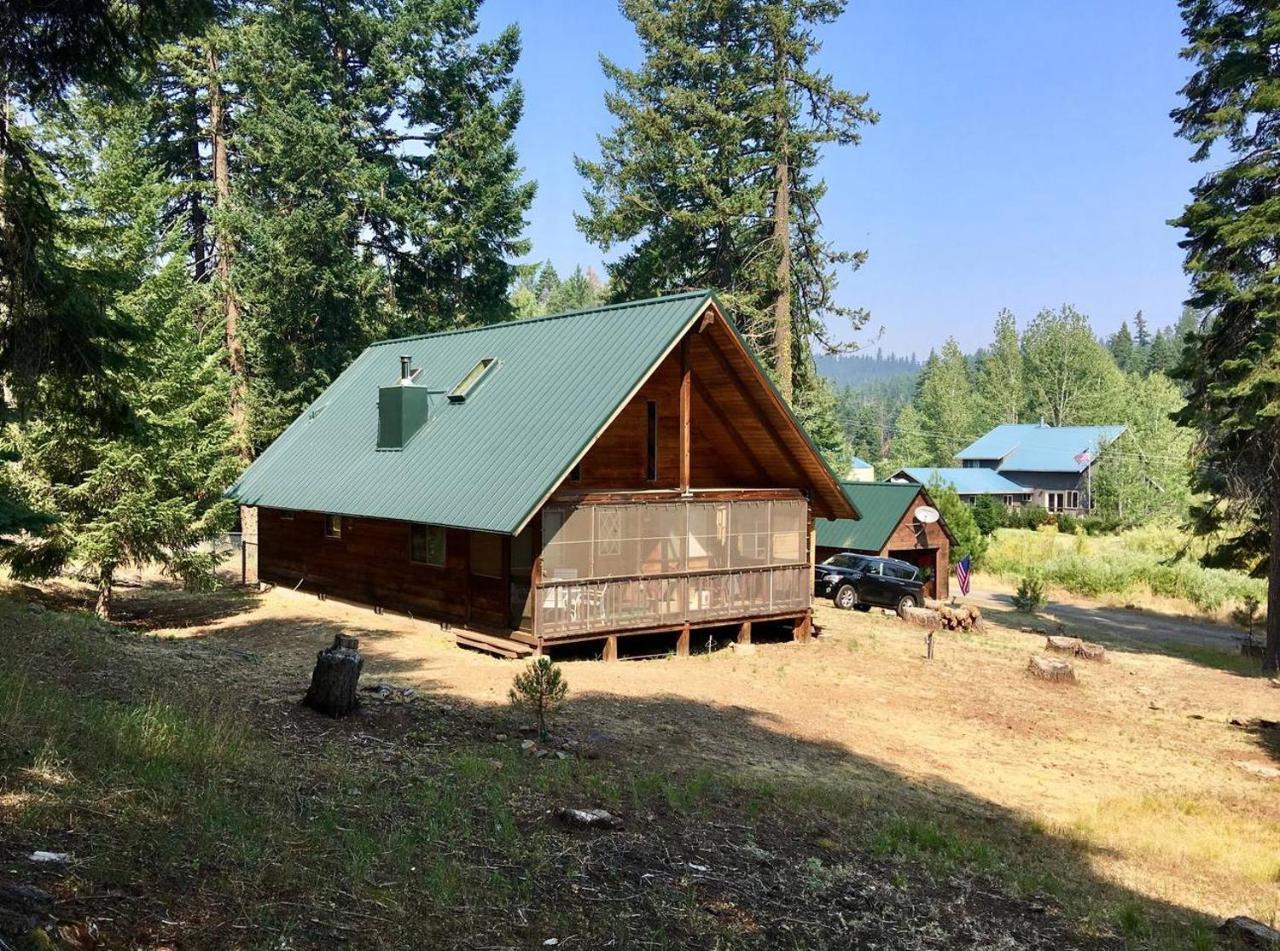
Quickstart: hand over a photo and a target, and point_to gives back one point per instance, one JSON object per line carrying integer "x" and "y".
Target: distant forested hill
{"x": 857, "y": 370}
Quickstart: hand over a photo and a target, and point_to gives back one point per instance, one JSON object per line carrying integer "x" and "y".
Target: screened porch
{"x": 636, "y": 565}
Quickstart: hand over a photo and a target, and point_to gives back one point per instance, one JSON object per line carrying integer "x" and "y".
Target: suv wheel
{"x": 906, "y": 601}
{"x": 845, "y": 597}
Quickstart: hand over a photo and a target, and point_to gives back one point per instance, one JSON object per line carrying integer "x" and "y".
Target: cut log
{"x": 336, "y": 678}
{"x": 1050, "y": 668}
{"x": 922, "y": 617}
{"x": 1091, "y": 651}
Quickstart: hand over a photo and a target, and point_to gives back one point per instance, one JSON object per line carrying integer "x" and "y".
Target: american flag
{"x": 1083, "y": 458}
{"x": 962, "y": 574}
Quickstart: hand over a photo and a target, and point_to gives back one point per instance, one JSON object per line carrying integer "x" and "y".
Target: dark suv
{"x": 860, "y": 581}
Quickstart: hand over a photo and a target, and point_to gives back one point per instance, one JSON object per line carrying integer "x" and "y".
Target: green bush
{"x": 989, "y": 514}
{"x": 1067, "y": 523}
{"x": 1029, "y": 598}
{"x": 1027, "y": 516}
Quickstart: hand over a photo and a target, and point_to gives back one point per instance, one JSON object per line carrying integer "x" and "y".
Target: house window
{"x": 651, "y": 443}
{"x": 426, "y": 545}
{"x": 1074, "y": 499}
{"x": 333, "y": 526}
{"x": 486, "y": 554}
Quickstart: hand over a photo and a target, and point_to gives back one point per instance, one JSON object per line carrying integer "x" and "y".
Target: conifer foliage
{"x": 1231, "y": 364}
{"x": 708, "y": 175}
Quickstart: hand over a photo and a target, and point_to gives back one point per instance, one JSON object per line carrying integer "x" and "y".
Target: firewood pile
{"x": 942, "y": 617}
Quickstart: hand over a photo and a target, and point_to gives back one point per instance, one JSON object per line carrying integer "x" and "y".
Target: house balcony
{"x": 632, "y": 562}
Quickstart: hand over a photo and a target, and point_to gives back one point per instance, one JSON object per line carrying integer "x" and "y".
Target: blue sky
{"x": 1024, "y": 159}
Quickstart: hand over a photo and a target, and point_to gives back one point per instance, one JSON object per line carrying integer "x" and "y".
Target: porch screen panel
{"x": 749, "y": 535}
{"x": 788, "y": 545}
{"x": 567, "y": 551}
{"x": 708, "y": 535}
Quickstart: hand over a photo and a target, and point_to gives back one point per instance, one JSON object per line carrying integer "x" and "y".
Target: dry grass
{"x": 1123, "y": 797}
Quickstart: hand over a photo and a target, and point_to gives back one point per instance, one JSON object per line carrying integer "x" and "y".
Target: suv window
{"x": 904, "y": 572}
{"x": 843, "y": 561}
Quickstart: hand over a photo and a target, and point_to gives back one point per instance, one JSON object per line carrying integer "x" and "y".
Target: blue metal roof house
{"x": 1027, "y": 463}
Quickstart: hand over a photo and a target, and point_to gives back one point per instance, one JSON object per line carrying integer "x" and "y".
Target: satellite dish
{"x": 926, "y": 514}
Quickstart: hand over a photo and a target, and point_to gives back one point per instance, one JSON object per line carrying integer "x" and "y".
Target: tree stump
{"x": 1050, "y": 668}
{"x": 335, "y": 678}
{"x": 1075, "y": 647}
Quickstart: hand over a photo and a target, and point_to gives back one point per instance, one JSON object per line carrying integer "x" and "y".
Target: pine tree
{"x": 945, "y": 405}
{"x": 1231, "y": 365}
{"x": 1121, "y": 347}
{"x": 1001, "y": 388}
{"x": 354, "y": 137}
{"x": 146, "y": 487}
{"x": 1143, "y": 335}
{"x": 709, "y": 173}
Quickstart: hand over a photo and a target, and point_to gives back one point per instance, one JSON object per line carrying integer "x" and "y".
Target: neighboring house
{"x": 969, "y": 484}
{"x": 888, "y": 526}
{"x": 1054, "y": 462}
{"x": 623, "y": 470}
{"x": 860, "y": 471}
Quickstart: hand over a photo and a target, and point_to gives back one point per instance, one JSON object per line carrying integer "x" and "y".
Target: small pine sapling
{"x": 539, "y": 689}
{"x": 1247, "y": 614}
{"x": 1029, "y": 598}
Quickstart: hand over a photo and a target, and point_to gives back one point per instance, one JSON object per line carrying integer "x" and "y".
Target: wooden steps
{"x": 493, "y": 644}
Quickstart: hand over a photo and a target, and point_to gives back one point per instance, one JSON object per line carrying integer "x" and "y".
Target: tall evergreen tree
{"x": 1001, "y": 387}
{"x": 709, "y": 173}
{"x": 146, "y": 487}
{"x": 907, "y": 445}
{"x": 1121, "y": 346}
{"x": 1231, "y": 365}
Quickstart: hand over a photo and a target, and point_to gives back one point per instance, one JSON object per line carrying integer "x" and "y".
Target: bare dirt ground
{"x": 1162, "y": 771}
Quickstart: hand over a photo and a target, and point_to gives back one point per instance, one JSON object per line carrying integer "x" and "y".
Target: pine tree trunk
{"x": 782, "y": 230}
{"x": 106, "y": 575}
{"x": 230, "y": 305}
{"x": 199, "y": 218}
{"x": 8, "y": 259}
{"x": 1271, "y": 657}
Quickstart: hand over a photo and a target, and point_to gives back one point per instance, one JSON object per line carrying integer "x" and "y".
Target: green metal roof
{"x": 881, "y": 505}
{"x": 486, "y": 463}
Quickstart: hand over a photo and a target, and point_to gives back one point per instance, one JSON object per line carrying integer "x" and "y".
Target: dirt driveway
{"x": 1121, "y": 625}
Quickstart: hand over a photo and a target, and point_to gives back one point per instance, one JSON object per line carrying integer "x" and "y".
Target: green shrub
{"x": 1027, "y": 516}
{"x": 539, "y": 689}
{"x": 1067, "y": 523}
{"x": 1029, "y": 598}
{"x": 989, "y": 514}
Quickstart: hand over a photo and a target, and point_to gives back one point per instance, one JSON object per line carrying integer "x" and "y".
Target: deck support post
{"x": 803, "y": 627}
{"x": 744, "y": 633}
{"x": 610, "y": 648}
{"x": 682, "y": 642}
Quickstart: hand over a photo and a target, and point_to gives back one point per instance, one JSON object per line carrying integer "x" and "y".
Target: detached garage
{"x": 891, "y": 527}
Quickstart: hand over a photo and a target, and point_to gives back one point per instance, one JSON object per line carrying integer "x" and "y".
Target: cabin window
{"x": 426, "y": 545}
{"x": 333, "y": 526}
{"x": 486, "y": 554}
{"x": 575, "y": 474}
{"x": 469, "y": 382}
{"x": 651, "y": 443}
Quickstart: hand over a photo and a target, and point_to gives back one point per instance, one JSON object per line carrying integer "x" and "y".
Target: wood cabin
{"x": 889, "y": 527}
{"x": 588, "y": 476}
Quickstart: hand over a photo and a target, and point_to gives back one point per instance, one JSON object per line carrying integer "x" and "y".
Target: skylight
{"x": 468, "y": 383}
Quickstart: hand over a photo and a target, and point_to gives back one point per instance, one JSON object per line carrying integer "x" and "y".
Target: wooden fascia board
{"x": 781, "y": 407}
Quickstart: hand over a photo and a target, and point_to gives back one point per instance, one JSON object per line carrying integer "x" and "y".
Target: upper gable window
{"x": 469, "y": 382}
{"x": 333, "y": 526}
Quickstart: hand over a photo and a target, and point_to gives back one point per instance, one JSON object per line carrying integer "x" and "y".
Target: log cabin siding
{"x": 371, "y": 563}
